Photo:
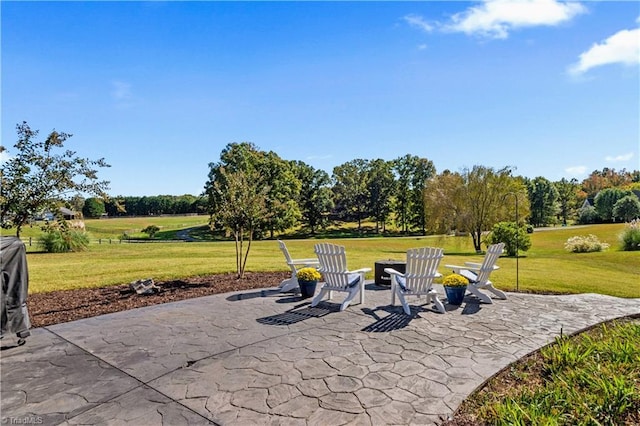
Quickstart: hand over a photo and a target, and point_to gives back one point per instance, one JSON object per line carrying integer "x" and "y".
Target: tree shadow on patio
{"x": 394, "y": 321}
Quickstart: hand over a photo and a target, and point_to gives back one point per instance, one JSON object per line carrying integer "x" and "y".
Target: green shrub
{"x": 62, "y": 241}
{"x": 585, "y": 244}
{"x": 587, "y": 215}
{"x": 505, "y": 232}
{"x": 630, "y": 238}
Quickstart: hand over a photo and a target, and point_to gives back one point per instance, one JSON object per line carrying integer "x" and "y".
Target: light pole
{"x": 515, "y": 196}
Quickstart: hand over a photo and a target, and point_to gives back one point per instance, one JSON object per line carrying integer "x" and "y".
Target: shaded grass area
{"x": 591, "y": 378}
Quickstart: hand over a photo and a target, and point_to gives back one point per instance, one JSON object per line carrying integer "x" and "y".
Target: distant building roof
{"x": 66, "y": 212}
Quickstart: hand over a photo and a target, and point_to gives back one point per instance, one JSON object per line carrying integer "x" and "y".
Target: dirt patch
{"x": 69, "y": 305}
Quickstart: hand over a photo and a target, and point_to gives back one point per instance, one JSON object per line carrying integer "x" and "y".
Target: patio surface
{"x": 263, "y": 357}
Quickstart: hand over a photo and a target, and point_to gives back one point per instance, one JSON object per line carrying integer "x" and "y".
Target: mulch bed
{"x": 62, "y": 306}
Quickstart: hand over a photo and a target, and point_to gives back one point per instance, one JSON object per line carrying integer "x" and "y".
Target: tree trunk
{"x": 477, "y": 241}
{"x": 238, "y": 237}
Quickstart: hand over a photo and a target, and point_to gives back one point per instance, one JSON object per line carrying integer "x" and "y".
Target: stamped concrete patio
{"x": 262, "y": 357}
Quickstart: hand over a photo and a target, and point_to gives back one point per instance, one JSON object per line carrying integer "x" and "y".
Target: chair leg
{"x": 497, "y": 292}
{"x": 480, "y": 295}
{"x": 393, "y": 290}
{"x": 362, "y": 289}
{"x": 403, "y": 301}
{"x": 288, "y": 284}
{"x": 318, "y": 297}
{"x": 438, "y": 303}
{"x": 350, "y": 297}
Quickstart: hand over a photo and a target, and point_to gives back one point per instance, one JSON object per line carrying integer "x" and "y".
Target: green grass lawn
{"x": 114, "y": 228}
{"x": 546, "y": 267}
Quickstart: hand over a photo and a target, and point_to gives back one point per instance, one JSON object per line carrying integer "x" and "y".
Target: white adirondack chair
{"x": 478, "y": 274}
{"x": 295, "y": 264}
{"x": 337, "y": 277}
{"x": 421, "y": 270}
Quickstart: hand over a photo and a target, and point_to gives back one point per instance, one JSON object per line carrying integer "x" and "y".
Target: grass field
{"x": 546, "y": 267}
{"x": 114, "y": 228}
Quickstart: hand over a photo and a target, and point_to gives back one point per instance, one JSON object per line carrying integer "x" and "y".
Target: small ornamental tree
{"x": 151, "y": 230}
{"x": 238, "y": 204}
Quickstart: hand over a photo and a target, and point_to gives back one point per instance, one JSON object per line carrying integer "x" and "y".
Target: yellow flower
{"x": 455, "y": 280}
{"x": 308, "y": 274}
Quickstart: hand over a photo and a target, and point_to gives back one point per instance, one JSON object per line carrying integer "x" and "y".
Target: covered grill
{"x": 15, "y": 286}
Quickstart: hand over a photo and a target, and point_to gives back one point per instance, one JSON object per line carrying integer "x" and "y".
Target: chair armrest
{"x": 308, "y": 262}
{"x": 456, "y": 267}
{"x": 392, "y": 271}
{"x": 358, "y": 271}
{"x": 471, "y": 266}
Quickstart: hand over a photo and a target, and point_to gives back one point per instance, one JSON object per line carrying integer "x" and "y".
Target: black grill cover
{"x": 15, "y": 286}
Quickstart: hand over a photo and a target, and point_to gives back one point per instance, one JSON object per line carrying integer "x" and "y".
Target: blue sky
{"x": 160, "y": 88}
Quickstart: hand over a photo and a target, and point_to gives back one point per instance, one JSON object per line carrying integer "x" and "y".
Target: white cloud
{"x": 418, "y": 22}
{"x": 576, "y": 170}
{"x": 619, "y": 158}
{"x": 621, "y": 48}
{"x": 495, "y": 18}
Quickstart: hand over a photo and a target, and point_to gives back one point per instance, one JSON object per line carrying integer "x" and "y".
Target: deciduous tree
{"x": 93, "y": 207}
{"x": 351, "y": 189}
{"x": 627, "y": 208}
{"x": 412, "y": 173}
{"x": 315, "y": 198}
{"x": 606, "y": 200}
{"x": 238, "y": 203}
{"x": 276, "y": 174}
{"x": 474, "y": 200}
{"x": 567, "y": 198}
{"x": 381, "y": 183}
{"x": 543, "y": 197}
{"x": 38, "y": 176}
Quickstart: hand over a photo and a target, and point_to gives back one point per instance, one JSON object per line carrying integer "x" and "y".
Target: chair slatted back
{"x": 488, "y": 264}
{"x": 285, "y": 251}
{"x": 333, "y": 264}
{"x": 422, "y": 268}
{"x": 287, "y": 256}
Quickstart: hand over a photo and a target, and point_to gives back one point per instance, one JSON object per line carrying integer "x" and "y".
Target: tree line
{"x": 154, "y": 205}
{"x": 258, "y": 194}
